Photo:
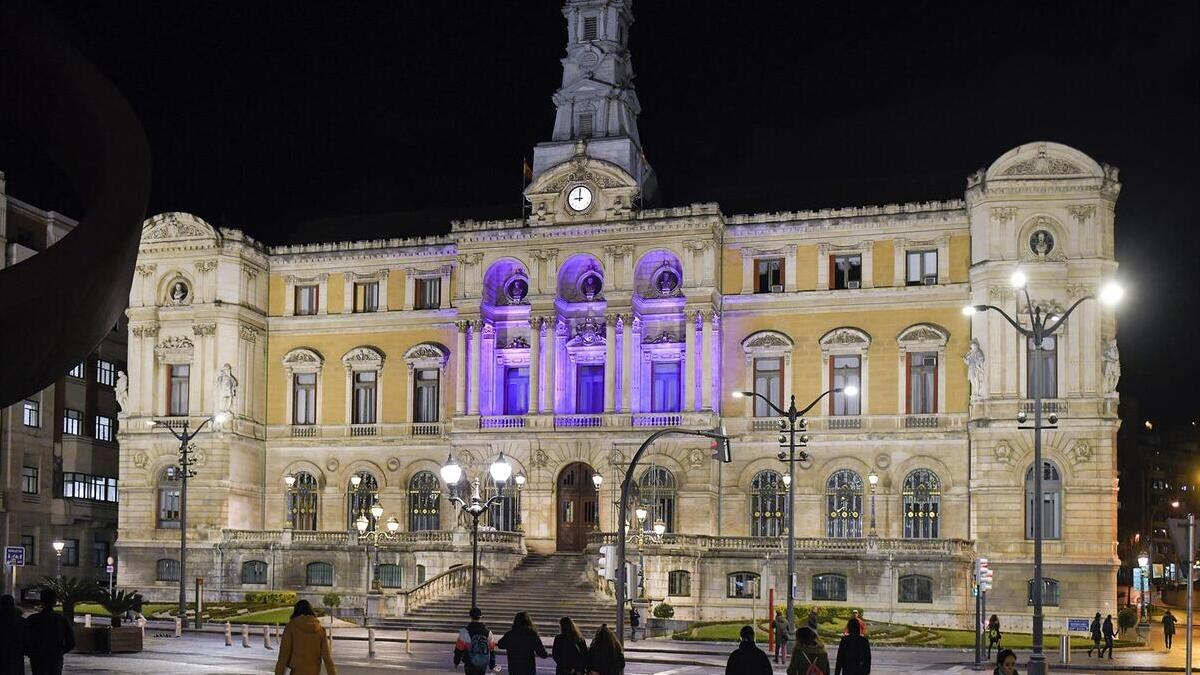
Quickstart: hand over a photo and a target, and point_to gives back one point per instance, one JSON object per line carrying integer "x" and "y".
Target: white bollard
{"x": 87, "y": 620}
{"x": 370, "y": 643}
{"x": 228, "y": 635}
{"x": 141, "y": 622}
{"x": 329, "y": 638}
{"x": 408, "y": 641}
{"x": 178, "y": 627}
{"x": 246, "y": 636}
{"x": 267, "y": 638}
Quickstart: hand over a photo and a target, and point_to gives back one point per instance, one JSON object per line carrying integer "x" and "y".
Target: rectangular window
{"x": 366, "y": 297}
{"x": 30, "y": 545}
{"x": 72, "y": 422}
{"x": 589, "y": 390}
{"x": 922, "y": 383}
{"x": 679, "y": 583}
{"x": 846, "y": 371}
{"x": 32, "y": 413}
{"x": 104, "y": 428}
{"x": 845, "y": 271}
{"x": 29, "y": 480}
{"x": 587, "y": 125}
{"x": 589, "y": 28}
{"x": 427, "y": 293}
{"x": 768, "y": 381}
{"x": 307, "y": 299}
{"x": 99, "y": 553}
{"x": 916, "y": 588}
{"x": 829, "y": 587}
{"x": 922, "y": 268}
{"x": 106, "y": 372}
{"x": 768, "y": 275}
{"x": 742, "y": 585}
{"x": 70, "y": 553}
{"x": 364, "y": 397}
{"x": 665, "y": 387}
{"x": 89, "y": 487}
{"x": 516, "y": 391}
{"x": 304, "y": 398}
{"x": 76, "y": 371}
{"x": 1042, "y": 366}
{"x": 179, "y": 386}
{"x": 426, "y": 395}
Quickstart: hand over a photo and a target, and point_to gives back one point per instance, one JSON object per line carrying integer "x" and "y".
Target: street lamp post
{"x": 793, "y": 421}
{"x": 1144, "y": 563}
{"x": 110, "y": 575}
{"x": 58, "y": 549}
{"x": 476, "y": 506}
{"x": 1041, "y": 327}
{"x": 519, "y": 480}
{"x": 372, "y": 537}
{"x": 185, "y": 462}
{"x": 873, "y": 479}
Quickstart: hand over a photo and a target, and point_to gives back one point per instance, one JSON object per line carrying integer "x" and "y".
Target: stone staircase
{"x": 547, "y": 586}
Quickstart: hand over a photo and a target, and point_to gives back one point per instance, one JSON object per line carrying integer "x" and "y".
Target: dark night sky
{"x": 271, "y": 117}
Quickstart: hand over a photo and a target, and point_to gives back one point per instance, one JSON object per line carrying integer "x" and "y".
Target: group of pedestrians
{"x": 1105, "y": 632}
{"x": 809, "y": 656}
{"x": 475, "y": 648}
{"x": 44, "y": 637}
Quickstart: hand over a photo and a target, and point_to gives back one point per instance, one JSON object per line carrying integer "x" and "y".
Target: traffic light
{"x": 606, "y": 564}
{"x": 983, "y": 575}
{"x": 721, "y": 448}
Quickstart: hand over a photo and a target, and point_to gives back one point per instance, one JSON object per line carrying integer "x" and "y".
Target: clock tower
{"x": 596, "y": 102}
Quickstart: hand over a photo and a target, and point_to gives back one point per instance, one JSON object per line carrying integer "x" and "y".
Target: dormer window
{"x": 589, "y": 29}
{"x": 586, "y": 125}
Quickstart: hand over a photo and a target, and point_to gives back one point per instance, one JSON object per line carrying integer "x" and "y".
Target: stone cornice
{"x": 376, "y": 250}
{"x": 899, "y": 297}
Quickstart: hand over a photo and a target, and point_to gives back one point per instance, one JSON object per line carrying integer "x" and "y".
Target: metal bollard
{"x": 87, "y": 620}
{"x": 142, "y": 624}
{"x": 178, "y": 627}
{"x": 267, "y": 638}
{"x": 1064, "y": 649}
{"x": 408, "y": 641}
{"x": 228, "y": 635}
{"x": 246, "y": 636}
{"x": 370, "y": 643}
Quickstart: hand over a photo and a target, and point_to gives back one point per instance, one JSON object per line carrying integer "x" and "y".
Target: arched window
{"x": 679, "y": 583}
{"x": 843, "y": 500}
{"x": 318, "y": 574}
{"x": 922, "y": 495}
{"x": 169, "y": 484}
{"x": 768, "y": 500}
{"x": 167, "y": 569}
{"x": 829, "y": 587}
{"x": 388, "y": 575}
{"x": 360, "y": 499}
{"x": 1050, "y": 592}
{"x": 302, "y": 502}
{"x": 1051, "y": 502}
{"x": 254, "y": 572}
{"x": 423, "y": 502}
{"x": 743, "y": 585}
{"x": 916, "y": 588}
{"x": 658, "y": 488}
{"x": 502, "y": 515}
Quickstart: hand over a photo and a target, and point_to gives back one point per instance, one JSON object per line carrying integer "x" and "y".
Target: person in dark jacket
{"x": 854, "y": 652}
{"x": 1109, "y": 634}
{"x": 808, "y": 652}
{"x": 522, "y": 644}
{"x": 1097, "y": 636}
{"x": 48, "y": 637}
{"x": 12, "y": 638}
{"x": 781, "y": 636}
{"x": 1168, "y": 622}
{"x": 748, "y": 659}
{"x": 605, "y": 655}
{"x": 570, "y": 650}
{"x": 813, "y": 620}
{"x": 635, "y": 620}
{"x": 993, "y": 635}
{"x": 475, "y": 647}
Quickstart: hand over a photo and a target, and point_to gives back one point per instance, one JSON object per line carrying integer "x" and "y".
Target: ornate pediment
{"x": 174, "y": 347}
{"x": 426, "y": 355}
{"x": 175, "y": 226}
{"x": 665, "y": 337}
{"x": 767, "y": 340}
{"x": 517, "y": 342}
{"x": 302, "y": 358}
{"x": 587, "y": 334}
{"x": 1042, "y": 165}
{"x": 923, "y": 333}
{"x": 363, "y": 358}
{"x": 846, "y": 337}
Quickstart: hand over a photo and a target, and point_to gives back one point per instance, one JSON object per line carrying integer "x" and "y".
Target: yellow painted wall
{"x": 335, "y": 300}
{"x": 960, "y": 258}
{"x": 883, "y": 264}
{"x": 395, "y": 289}
{"x": 806, "y": 268}
{"x": 275, "y": 291}
{"x": 731, "y": 271}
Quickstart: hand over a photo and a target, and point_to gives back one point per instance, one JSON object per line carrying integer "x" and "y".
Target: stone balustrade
{"x": 860, "y": 546}
{"x": 446, "y": 540}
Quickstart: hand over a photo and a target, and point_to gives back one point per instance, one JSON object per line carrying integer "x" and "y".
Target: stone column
{"x": 409, "y": 289}
{"x": 476, "y": 336}
{"x": 627, "y": 364}
{"x": 551, "y": 361}
{"x": 706, "y": 364}
{"x": 689, "y": 360}
{"x": 460, "y": 367}
{"x": 535, "y": 348}
{"x": 610, "y": 362}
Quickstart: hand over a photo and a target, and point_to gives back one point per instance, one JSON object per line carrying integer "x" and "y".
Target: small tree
{"x": 71, "y": 591}
{"x": 663, "y": 611}
{"x": 118, "y": 603}
{"x": 1127, "y": 618}
{"x": 331, "y": 600}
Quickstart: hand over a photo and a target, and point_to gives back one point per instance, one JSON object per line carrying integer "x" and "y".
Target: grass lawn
{"x": 723, "y": 632}
{"x": 269, "y": 615}
{"x": 96, "y": 610}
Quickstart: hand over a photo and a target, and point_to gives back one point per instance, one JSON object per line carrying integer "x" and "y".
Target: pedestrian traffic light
{"x": 983, "y": 575}
{"x": 606, "y": 564}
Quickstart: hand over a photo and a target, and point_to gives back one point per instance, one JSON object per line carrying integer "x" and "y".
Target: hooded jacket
{"x": 304, "y": 648}
{"x": 815, "y": 653}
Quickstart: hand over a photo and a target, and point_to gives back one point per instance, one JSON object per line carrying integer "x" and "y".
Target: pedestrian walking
{"x": 854, "y": 652}
{"x": 48, "y": 636}
{"x": 605, "y": 656}
{"x": 12, "y": 638}
{"x": 813, "y": 619}
{"x": 993, "y": 635}
{"x": 1168, "y": 622}
{"x": 809, "y": 656}
{"x": 1097, "y": 636}
{"x": 781, "y": 636}
{"x": 570, "y": 650}
{"x": 635, "y": 620}
{"x": 304, "y": 646}
{"x": 475, "y": 647}
{"x": 748, "y": 659}
{"x": 1109, "y": 634}
{"x": 522, "y": 643}
{"x": 862, "y": 625}
{"x": 1006, "y": 663}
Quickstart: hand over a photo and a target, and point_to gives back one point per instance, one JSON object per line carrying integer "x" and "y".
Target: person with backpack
{"x": 1096, "y": 637}
{"x": 475, "y": 647}
{"x": 854, "y": 652}
{"x": 993, "y": 635}
{"x": 635, "y": 620}
{"x": 304, "y": 646}
{"x": 570, "y": 650}
{"x": 1168, "y": 622}
{"x": 809, "y": 656}
{"x": 1109, "y": 634}
{"x": 781, "y": 636}
{"x": 522, "y": 644}
{"x": 605, "y": 656}
{"x": 813, "y": 619}
{"x": 748, "y": 659}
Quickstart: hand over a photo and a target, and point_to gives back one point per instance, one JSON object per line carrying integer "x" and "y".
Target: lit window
{"x": 768, "y": 379}
{"x": 365, "y": 391}
{"x": 922, "y": 268}
{"x": 829, "y": 587}
{"x": 423, "y": 502}
{"x": 304, "y": 398}
{"x": 32, "y": 413}
{"x": 846, "y": 372}
{"x": 742, "y": 585}
{"x": 104, "y": 428}
{"x": 768, "y": 275}
{"x": 307, "y": 298}
{"x": 665, "y": 386}
{"x": 76, "y": 371}
{"x": 72, "y": 422}
{"x": 1051, "y": 502}
{"x": 427, "y": 293}
{"x": 106, "y": 372}
{"x": 90, "y": 487}
{"x": 70, "y": 553}
{"x": 178, "y": 388}
{"x": 679, "y": 583}
{"x": 845, "y": 271}
{"x": 922, "y": 494}
{"x": 922, "y": 383}
{"x": 916, "y": 588}
{"x": 29, "y": 480}
{"x": 169, "y": 485}
{"x": 366, "y": 297}
{"x": 425, "y": 395}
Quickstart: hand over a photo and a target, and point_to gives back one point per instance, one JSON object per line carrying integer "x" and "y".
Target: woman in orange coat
{"x": 304, "y": 646}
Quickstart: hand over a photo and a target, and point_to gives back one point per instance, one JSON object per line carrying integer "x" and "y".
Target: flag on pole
{"x": 526, "y": 171}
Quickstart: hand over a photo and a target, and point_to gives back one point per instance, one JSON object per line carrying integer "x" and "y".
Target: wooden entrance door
{"x": 578, "y": 509}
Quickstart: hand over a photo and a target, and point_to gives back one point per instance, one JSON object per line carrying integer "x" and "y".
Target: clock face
{"x": 579, "y": 198}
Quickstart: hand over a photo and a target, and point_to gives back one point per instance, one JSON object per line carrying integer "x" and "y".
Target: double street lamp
{"x": 475, "y": 506}
{"x": 792, "y": 422}
{"x": 58, "y": 549}
{"x": 372, "y": 538}
{"x": 640, "y": 538}
{"x": 1042, "y": 326}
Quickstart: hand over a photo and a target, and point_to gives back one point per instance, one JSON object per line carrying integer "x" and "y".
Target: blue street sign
{"x": 14, "y": 556}
{"x": 1078, "y": 625}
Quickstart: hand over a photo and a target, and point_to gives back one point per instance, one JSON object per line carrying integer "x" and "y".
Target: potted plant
{"x": 118, "y": 603}
{"x": 71, "y": 591}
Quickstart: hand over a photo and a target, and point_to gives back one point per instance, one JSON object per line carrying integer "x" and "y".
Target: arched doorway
{"x": 578, "y": 509}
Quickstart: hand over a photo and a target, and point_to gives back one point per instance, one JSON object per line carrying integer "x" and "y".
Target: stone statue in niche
{"x": 179, "y": 292}
{"x": 590, "y": 286}
{"x": 226, "y": 388}
{"x": 1041, "y": 243}
{"x": 667, "y": 282}
{"x": 1112, "y": 366}
{"x": 121, "y": 391}
{"x": 975, "y": 360}
{"x": 517, "y": 290}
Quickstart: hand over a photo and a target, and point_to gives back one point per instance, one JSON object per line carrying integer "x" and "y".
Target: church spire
{"x": 596, "y": 101}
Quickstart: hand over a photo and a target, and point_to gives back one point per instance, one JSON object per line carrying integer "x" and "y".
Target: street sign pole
{"x": 1191, "y": 562}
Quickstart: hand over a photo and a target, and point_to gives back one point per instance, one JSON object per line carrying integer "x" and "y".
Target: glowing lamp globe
{"x": 289, "y": 480}
{"x": 451, "y": 472}
{"x": 501, "y": 470}
{"x": 1111, "y": 293}
{"x": 597, "y": 480}
{"x": 640, "y": 513}
{"x": 376, "y": 510}
{"x": 393, "y": 525}
{"x": 659, "y": 527}
{"x": 1018, "y": 279}
{"x": 850, "y": 391}
{"x": 361, "y": 523}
